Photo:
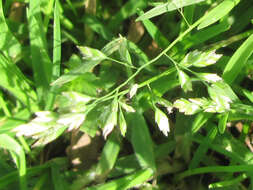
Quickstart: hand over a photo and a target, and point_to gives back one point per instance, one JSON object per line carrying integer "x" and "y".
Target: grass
{"x": 126, "y": 94}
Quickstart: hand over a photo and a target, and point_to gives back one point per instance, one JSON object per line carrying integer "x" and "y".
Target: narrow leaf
{"x": 41, "y": 62}
{"x": 109, "y": 155}
{"x": 218, "y": 12}
{"x": 166, "y": 7}
{"x": 75, "y": 73}
{"x": 141, "y": 140}
{"x": 12, "y": 145}
{"x": 238, "y": 61}
{"x": 223, "y": 122}
{"x": 200, "y": 120}
{"x": 91, "y": 54}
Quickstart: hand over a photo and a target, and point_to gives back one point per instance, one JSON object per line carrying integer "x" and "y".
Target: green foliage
{"x": 142, "y": 90}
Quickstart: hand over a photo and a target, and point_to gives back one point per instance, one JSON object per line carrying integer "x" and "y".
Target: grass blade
{"x": 109, "y": 155}
{"x": 56, "y": 53}
{"x": 155, "y": 33}
{"x": 42, "y": 66}
{"x": 238, "y": 60}
{"x": 166, "y": 7}
{"x": 216, "y": 169}
{"x": 13, "y": 80}
{"x": 218, "y": 12}
{"x": 141, "y": 140}
{"x": 96, "y": 25}
{"x": 12, "y": 145}
{"x": 226, "y": 183}
{"x": 223, "y": 122}
{"x": 57, "y": 42}
{"x": 126, "y": 182}
{"x": 203, "y": 147}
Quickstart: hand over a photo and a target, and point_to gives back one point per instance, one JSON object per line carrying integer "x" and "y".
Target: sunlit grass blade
{"x": 227, "y": 183}
{"x": 238, "y": 60}
{"x": 56, "y": 53}
{"x": 223, "y": 122}
{"x": 12, "y": 145}
{"x": 42, "y": 66}
{"x": 141, "y": 140}
{"x": 216, "y": 169}
{"x": 205, "y": 34}
{"x": 166, "y": 7}
{"x": 57, "y": 42}
{"x": 13, "y": 80}
{"x": 126, "y": 182}
{"x": 218, "y": 12}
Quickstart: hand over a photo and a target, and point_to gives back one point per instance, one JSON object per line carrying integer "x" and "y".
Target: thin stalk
{"x": 180, "y": 37}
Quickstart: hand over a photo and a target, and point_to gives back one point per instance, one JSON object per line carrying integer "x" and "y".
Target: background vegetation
{"x": 126, "y": 94}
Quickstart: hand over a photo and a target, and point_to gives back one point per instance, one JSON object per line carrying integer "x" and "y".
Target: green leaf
{"x": 42, "y": 65}
{"x": 71, "y": 101}
{"x": 57, "y": 42}
{"x": 218, "y": 12}
{"x": 166, "y": 7}
{"x": 91, "y": 54}
{"x": 112, "y": 46}
{"x": 185, "y": 81}
{"x": 12, "y": 145}
{"x": 223, "y": 122}
{"x": 141, "y": 140}
{"x": 238, "y": 61}
{"x": 96, "y": 25}
{"x": 202, "y": 36}
{"x": 75, "y": 73}
{"x": 155, "y": 33}
{"x": 126, "y": 182}
{"x": 200, "y": 59}
{"x": 200, "y": 120}
{"x": 93, "y": 58}
{"x": 13, "y": 80}
{"x": 203, "y": 147}
{"x": 123, "y": 52}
